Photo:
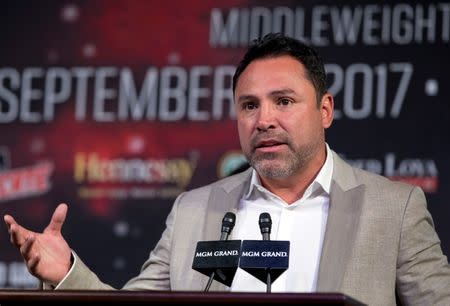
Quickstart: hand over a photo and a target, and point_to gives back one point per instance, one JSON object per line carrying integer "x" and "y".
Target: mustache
{"x": 265, "y": 139}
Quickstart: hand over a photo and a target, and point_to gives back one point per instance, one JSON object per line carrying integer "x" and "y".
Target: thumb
{"x": 58, "y": 218}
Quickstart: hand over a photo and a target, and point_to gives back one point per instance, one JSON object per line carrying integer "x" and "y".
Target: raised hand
{"x": 47, "y": 254}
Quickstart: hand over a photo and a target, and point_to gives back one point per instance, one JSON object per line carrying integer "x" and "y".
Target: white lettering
{"x": 274, "y": 254}
{"x": 28, "y": 93}
{"x": 197, "y": 92}
{"x": 200, "y": 93}
{"x": 250, "y": 254}
{"x": 203, "y": 254}
{"x": 81, "y": 76}
{"x": 102, "y": 93}
{"x": 324, "y": 25}
{"x": 9, "y": 112}
{"x": 131, "y": 103}
{"x": 53, "y": 96}
{"x": 226, "y": 253}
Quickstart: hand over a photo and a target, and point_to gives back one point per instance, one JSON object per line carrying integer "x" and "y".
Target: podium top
{"x": 68, "y": 297}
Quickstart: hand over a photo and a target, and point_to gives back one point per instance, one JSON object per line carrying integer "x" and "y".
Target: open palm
{"x": 47, "y": 254}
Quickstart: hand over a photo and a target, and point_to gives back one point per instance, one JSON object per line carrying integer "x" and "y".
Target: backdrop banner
{"x": 117, "y": 107}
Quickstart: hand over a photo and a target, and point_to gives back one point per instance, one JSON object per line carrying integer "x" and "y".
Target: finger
{"x": 58, "y": 218}
{"x": 32, "y": 264}
{"x": 9, "y": 220}
{"x": 25, "y": 249}
{"x": 18, "y": 234}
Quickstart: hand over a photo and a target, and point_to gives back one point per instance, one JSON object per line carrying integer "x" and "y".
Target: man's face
{"x": 281, "y": 128}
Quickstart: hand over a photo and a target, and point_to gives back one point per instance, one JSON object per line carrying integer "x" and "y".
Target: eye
{"x": 285, "y": 101}
{"x": 249, "y": 106}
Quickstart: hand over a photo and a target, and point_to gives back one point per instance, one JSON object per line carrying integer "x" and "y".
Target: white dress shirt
{"x": 302, "y": 223}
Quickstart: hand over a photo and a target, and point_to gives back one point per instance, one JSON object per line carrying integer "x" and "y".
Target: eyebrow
{"x": 274, "y": 93}
{"x": 281, "y": 92}
{"x": 245, "y": 98}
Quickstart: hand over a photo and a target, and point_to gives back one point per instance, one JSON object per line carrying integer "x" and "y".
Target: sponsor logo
{"x": 231, "y": 163}
{"x": 23, "y": 182}
{"x": 137, "y": 177}
{"x": 217, "y": 253}
{"x": 420, "y": 172}
{"x": 265, "y": 254}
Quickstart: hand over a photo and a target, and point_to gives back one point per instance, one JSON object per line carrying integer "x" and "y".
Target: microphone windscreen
{"x": 265, "y": 222}
{"x": 228, "y": 222}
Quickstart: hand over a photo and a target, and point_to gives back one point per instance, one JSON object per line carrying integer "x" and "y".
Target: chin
{"x": 272, "y": 170}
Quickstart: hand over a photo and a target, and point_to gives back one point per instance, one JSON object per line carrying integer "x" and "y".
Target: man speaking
{"x": 350, "y": 231}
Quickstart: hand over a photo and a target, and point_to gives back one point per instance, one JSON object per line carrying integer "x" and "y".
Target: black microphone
{"x": 219, "y": 259}
{"x": 265, "y": 225}
{"x": 228, "y": 222}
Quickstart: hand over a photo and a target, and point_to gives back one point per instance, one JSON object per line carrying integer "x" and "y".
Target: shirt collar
{"x": 323, "y": 178}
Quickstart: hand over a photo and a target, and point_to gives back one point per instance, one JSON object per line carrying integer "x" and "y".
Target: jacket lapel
{"x": 346, "y": 200}
{"x": 223, "y": 198}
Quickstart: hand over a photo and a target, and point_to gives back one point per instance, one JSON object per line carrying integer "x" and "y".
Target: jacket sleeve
{"x": 80, "y": 277}
{"x": 154, "y": 274}
{"x": 423, "y": 271}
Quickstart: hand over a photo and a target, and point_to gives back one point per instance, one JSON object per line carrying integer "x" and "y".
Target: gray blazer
{"x": 379, "y": 240}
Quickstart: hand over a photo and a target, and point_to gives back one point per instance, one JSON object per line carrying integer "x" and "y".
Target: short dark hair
{"x": 277, "y": 44}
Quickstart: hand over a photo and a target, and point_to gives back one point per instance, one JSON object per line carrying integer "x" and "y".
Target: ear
{"x": 327, "y": 110}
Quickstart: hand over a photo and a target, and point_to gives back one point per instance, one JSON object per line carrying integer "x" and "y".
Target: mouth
{"x": 271, "y": 145}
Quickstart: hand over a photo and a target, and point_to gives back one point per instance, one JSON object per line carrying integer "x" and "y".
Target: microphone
{"x": 219, "y": 259}
{"x": 228, "y": 222}
{"x": 267, "y": 259}
{"x": 265, "y": 225}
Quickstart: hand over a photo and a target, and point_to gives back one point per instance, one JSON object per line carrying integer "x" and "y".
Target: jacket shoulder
{"x": 202, "y": 193}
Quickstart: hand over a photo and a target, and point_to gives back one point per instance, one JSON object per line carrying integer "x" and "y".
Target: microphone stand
{"x": 211, "y": 278}
{"x": 266, "y": 236}
{"x": 227, "y": 226}
{"x": 268, "y": 281}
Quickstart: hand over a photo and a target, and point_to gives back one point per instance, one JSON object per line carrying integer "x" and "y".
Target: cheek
{"x": 243, "y": 126}
{"x": 244, "y": 134}
{"x": 299, "y": 129}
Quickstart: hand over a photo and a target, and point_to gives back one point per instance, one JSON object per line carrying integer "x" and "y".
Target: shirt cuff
{"x": 73, "y": 260}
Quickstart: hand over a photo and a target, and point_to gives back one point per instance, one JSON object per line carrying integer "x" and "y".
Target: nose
{"x": 266, "y": 117}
